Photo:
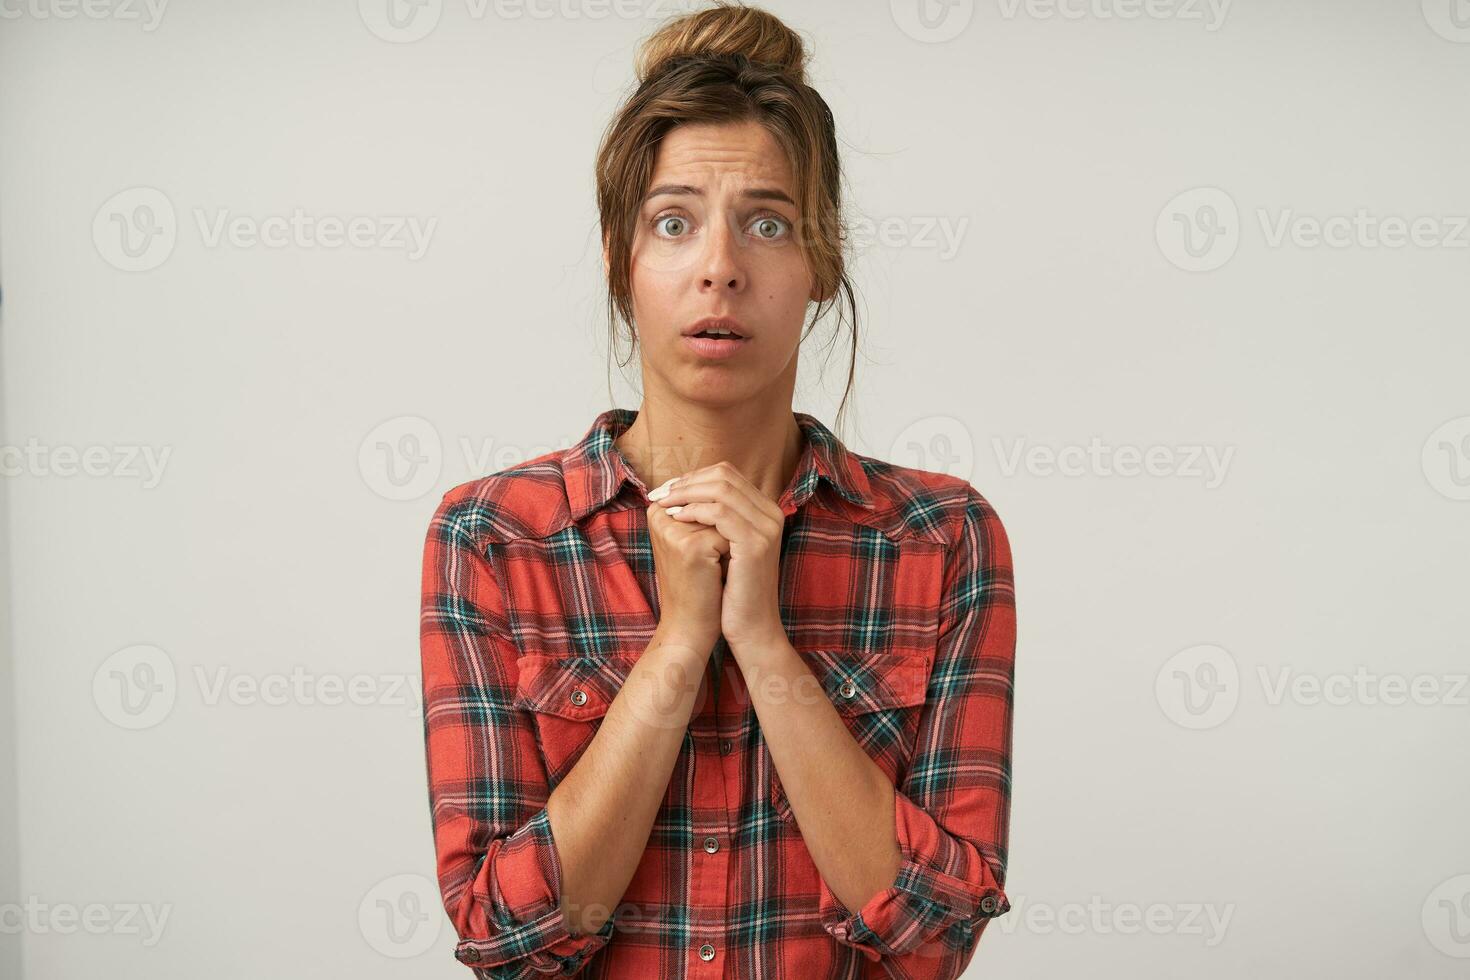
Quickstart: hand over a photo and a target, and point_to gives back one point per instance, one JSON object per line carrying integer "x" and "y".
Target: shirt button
{"x": 706, "y": 952}
{"x": 579, "y": 696}
{"x": 988, "y": 904}
{"x": 711, "y": 845}
{"x": 847, "y": 689}
{"x": 725, "y": 746}
{"x": 470, "y": 955}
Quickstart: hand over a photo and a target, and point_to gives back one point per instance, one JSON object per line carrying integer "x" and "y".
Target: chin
{"x": 716, "y": 388}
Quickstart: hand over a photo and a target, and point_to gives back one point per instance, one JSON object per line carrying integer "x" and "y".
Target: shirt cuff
{"x": 944, "y": 888}
{"x": 524, "y": 921}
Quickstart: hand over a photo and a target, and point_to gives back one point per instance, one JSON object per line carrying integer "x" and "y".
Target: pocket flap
{"x": 856, "y": 684}
{"x": 575, "y": 688}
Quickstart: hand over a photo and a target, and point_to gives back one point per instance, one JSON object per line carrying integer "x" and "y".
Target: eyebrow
{"x": 749, "y": 194}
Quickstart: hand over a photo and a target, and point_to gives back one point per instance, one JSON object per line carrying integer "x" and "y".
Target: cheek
{"x": 652, "y": 286}
{"x": 658, "y": 267}
{"x": 789, "y": 283}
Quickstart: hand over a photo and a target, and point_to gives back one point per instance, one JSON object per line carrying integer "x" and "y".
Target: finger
{"x": 669, "y": 525}
{"x": 759, "y": 510}
{"x": 660, "y": 523}
{"x": 737, "y": 480}
{"x": 717, "y": 540}
{"x": 718, "y": 515}
{"x": 731, "y": 513}
{"x": 666, "y": 525}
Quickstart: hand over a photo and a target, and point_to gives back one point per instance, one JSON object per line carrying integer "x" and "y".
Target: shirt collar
{"x": 594, "y": 470}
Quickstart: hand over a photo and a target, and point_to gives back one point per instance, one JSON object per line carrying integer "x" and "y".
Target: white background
{"x": 1161, "y": 774}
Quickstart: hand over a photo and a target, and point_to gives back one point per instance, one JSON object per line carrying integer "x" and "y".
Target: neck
{"x": 762, "y": 441}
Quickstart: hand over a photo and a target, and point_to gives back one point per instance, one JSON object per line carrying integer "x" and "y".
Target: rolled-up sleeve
{"x": 952, "y": 807}
{"x": 497, "y": 864}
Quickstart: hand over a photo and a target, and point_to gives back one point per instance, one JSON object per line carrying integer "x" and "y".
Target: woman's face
{"x": 717, "y": 237}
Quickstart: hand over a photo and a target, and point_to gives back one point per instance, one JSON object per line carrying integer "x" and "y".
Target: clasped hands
{"x": 721, "y": 497}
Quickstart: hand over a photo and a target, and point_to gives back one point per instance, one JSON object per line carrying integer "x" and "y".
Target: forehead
{"x": 736, "y": 153}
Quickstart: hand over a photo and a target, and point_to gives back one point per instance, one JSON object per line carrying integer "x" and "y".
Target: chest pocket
{"x": 568, "y": 698}
{"x": 879, "y": 697}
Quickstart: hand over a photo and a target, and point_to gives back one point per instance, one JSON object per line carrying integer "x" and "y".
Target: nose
{"x": 722, "y": 258}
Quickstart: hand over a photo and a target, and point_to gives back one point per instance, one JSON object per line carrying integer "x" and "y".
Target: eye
{"x": 679, "y": 225}
{"x": 770, "y": 227}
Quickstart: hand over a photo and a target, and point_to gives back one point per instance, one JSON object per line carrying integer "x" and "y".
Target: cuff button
{"x": 988, "y": 904}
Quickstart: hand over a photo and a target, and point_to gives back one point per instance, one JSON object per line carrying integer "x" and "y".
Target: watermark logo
{"x": 135, "y": 230}
{"x": 1446, "y": 459}
{"x": 1450, "y": 19}
{"x": 401, "y": 459}
{"x": 400, "y": 21}
{"x": 401, "y": 916}
{"x": 136, "y": 687}
{"x": 1198, "y": 687}
{"x": 1446, "y": 917}
{"x": 932, "y": 21}
{"x": 940, "y": 443}
{"x": 1199, "y": 229}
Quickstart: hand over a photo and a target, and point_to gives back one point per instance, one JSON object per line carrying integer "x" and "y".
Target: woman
{"x": 708, "y": 694}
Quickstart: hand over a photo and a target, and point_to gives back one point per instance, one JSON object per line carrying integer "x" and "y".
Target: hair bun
{"x": 725, "y": 29}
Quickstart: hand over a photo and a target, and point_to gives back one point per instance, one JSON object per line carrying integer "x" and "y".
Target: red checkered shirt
{"x": 539, "y": 595}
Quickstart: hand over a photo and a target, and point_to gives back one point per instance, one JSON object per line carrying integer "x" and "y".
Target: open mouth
{"x": 714, "y": 343}
{"x": 716, "y": 328}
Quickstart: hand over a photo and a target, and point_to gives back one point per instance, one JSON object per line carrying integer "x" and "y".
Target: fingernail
{"x": 662, "y": 490}
{"x": 671, "y": 511}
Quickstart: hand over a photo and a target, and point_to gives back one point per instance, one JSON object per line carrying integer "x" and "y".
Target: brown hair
{"x": 729, "y": 63}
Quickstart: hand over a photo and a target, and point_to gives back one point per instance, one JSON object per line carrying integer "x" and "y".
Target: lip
{"x": 711, "y": 348}
{"x": 715, "y": 349}
{"x": 728, "y": 322}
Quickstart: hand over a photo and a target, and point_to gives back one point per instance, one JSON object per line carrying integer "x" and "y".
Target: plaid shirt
{"x": 539, "y": 596}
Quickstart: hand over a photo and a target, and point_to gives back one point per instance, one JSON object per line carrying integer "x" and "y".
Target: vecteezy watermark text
{"x": 137, "y": 687}
{"x": 1211, "y": 13}
{"x": 137, "y": 230}
{"x": 1201, "y": 229}
{"x": 96, "y": 918}
{"x": 1207, "y": 463}
{"x": 120, "y": 461}
{"x": 1200, "y": 687}
{"x": 148, "y": 12}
